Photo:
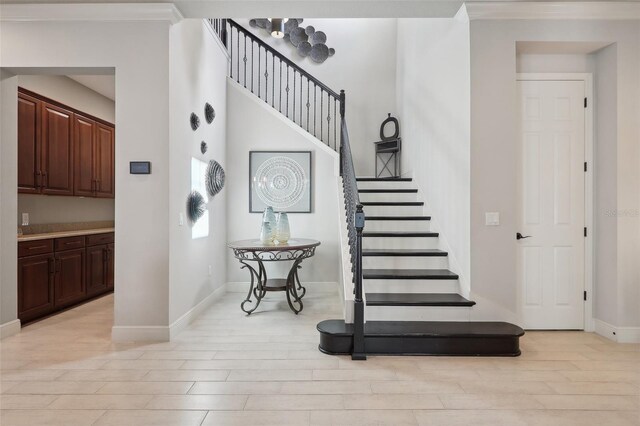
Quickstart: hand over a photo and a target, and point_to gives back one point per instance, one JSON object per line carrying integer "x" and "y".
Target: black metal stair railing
{"x": 316, "y": 108}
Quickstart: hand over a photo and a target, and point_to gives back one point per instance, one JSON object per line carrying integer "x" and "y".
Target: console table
{"x": 253, "y": 253}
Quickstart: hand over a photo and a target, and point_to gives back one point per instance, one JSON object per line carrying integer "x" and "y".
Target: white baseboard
{"x": 181, "y": 323}
{"x": 320, "y": 287}
{"x": 162, "y": 333}
{"x": 617, "y": 334}
{"x": 9, "y": 329}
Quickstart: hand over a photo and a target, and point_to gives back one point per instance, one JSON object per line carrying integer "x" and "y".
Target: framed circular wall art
{"x": 280, "y": 179}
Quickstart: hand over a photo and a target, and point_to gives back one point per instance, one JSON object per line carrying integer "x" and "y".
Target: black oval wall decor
{"x": 195, "y": 206}
{"x": 194, "y": 120}
{"x": 203, "y": 147}
{"x": 209, "y": 113}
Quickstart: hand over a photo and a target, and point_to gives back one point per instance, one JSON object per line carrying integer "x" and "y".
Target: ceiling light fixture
{"x": 277, "y": 27}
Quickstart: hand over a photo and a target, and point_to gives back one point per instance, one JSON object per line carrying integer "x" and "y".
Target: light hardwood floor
{"x": 229, "y": 369}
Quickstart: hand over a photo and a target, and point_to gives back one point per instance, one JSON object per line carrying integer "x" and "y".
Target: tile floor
{"x": 229, "y": 369}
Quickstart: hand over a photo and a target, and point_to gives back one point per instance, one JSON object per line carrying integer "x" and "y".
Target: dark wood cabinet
{"x": 35, "y": 286}
{"x": 105, "y": 160}
{"x": 62, "y": 151}
{"x": 57, "y": 150}
{"x": 84, "y": 165}
{"x": 29, "y": 111}
{"x": 54, "y": 274}
{"x": 96, "y": 269}
{"x": 69, "y": 284}
{"x": 110, "y": 266}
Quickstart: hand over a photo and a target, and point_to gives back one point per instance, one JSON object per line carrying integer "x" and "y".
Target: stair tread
{"x": 433, "y": 274}
{"x": 385, "y": 179}
{"x": 425, "y": 328}
{"x": 399, "y": 234}
{"x": 398, "y": 218}
{"x": 403, "y": 252}
{"x": 390, "y": 191}
{"x": 392, "y": 203}
{"x": 417, "y": 299}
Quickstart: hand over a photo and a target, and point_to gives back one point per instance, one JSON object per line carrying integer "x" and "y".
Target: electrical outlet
{"x": 25, "y": 219}
{"x": 492, "y": 219}
{"x": 210, "y": 270}
{"x": 181, "y": 220}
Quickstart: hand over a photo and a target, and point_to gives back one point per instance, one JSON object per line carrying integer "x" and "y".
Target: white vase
{"x": 282, "y": 228}
{"x": 266, "y": 233}
{"x": 270, "y": 216}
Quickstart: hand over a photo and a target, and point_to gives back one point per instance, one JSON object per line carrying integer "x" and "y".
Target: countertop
{"x": 62, "y": 234}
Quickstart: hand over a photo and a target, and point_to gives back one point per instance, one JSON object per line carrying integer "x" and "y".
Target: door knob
{"x": 519, "y": 236}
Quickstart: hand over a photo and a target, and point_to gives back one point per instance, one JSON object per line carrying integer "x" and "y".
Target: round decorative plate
{"x": 280, "y": 182}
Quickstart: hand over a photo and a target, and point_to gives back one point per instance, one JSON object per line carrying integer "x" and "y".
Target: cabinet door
{"x": 57, "y": 150}
{"x": 105, "y": 160}
{"x": 96, "y": 269}
{"x": 83, "y": 159}
{"x": 110, "y": 266}
{"x": 70, "y": 277}
{"x": 35, "y": 286}
{"x": 29, "y": 110}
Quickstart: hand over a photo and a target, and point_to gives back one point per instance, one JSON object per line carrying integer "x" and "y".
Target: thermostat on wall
{"x": 140, "y": 167}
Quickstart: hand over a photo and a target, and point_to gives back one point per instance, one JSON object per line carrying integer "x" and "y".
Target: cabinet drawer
{"x": 69, "y": 243}
{"x": 30, "y": 248}
{"x": 95, "y": 239}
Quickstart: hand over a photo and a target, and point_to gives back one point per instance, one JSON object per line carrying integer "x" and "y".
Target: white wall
{"x": 364, "y": 66}
{"x": 69, "y": 92}
{"x": 493, "y": 158}
{"x": 58, "y": 209}
{"x": 433, "y": 103}
{"x": 269, "y": 131}
{"x": 139, "y": 51}
{"x": 8, "y": 196}
{"x": 198, "y": 75}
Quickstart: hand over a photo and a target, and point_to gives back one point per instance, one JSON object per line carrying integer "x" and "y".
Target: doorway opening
{"x": 65, "y": 151}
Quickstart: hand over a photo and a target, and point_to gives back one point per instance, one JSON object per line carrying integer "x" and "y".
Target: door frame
{"x": 587, "y": 78}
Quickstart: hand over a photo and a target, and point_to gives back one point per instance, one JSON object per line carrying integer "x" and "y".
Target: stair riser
{"x": 400, "y": 242}
{"x": 397, "y": 225}
{"x": 388, "y": 196}
{"x": 386, "y": 185}
{"x": 410, "y": 286}
{"x": 394, "y": 210}
{"x": 402, "y": 262}
{"x": 416, "y": 313}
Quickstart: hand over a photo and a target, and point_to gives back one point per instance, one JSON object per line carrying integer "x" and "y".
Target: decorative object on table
{"x": 269, "y": 216}
{"x": 282, "y": 228}
{"x": 306, "y": 40}
{"x": 281, "y": 179}
{"x": 266, "y": 233}
{"x": 388, "y": 149}
{"x": 214, "y": 178}
{"x": 194, "y": 120}
{"x": 203, "y": 147}
{"x": 209, "y": 113}
{"x": 195, "y": 206}
{"x": 250, "y": 251}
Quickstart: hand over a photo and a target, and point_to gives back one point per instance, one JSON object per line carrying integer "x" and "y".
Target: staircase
{"x": 412, "y": 300}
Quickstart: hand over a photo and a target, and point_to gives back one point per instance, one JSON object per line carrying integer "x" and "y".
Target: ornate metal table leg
{"x": 303, "y": 290}
{"x": 292, "y": 280}
{"x": 257, "y": 286}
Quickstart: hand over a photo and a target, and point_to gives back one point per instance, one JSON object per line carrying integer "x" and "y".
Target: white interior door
{"x": 552, "y": 204}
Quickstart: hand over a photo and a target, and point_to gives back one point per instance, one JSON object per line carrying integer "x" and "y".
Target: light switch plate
{"x": 492, "y": 218}
{"x": 25, "y": 219}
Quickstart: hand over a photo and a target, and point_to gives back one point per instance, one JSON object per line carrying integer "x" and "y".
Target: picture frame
{"x": 282, "y": 180}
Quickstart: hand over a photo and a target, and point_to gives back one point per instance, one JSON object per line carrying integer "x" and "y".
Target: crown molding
{"x": 601, "y": 10}
{"x": 91, "y": 12}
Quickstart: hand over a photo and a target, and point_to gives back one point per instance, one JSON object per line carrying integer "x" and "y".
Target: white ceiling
{"x": 103, "y": 84}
